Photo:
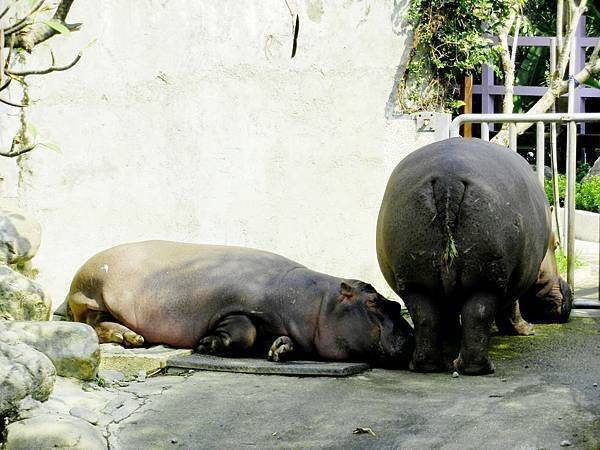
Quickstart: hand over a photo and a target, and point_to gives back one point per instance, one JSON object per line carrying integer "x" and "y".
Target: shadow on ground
{"x": 544, "y": 393}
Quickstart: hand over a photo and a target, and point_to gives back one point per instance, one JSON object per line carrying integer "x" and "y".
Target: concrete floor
{"x": 543, "y": 395}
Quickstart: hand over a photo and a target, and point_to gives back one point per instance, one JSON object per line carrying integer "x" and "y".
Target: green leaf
{"x": 593, "y": 83}
{"x": 92, "y": 42}
{"x": 32, "y": 130}
{"x": 52, "y": 147}
{"x": 56, "y": 25}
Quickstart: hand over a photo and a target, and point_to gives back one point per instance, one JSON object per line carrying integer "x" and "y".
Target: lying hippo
{"x": 462, "y": 232}
{"x": 234, "y": 301}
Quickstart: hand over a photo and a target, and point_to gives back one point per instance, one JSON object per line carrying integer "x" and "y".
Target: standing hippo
{"x": 234, "y": 301}
{"x": 462, "y": 232}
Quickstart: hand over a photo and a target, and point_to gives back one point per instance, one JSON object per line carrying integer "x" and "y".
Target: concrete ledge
{"x": 264, "y": 367}
{"x": 130, "y": 361}
{"x": 585, "y": 313}
{"x": 586, "y": 224}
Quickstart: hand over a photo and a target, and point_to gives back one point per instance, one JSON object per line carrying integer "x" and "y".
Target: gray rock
{"x": 24, "y": 373}
{"x": 62, "y": 312}
{"x": 53, "y": 431}
{"x": 112, "y": 375}
{"x": 22, "y": 298}
{"x": 72, "y": 347}
{"x": 85, "y": 414}
{"x": 20, "y": 236}
{"x": 547, "y": 171}
{"x": 594, "y": 170}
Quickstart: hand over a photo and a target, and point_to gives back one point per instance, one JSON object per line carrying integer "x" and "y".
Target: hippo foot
{"x": 211, "y": 345}
{"x": 483, "y": 367}
{"x": 512, "y": 323}
{"x": 131, "y": 339}
{"x": 282, "y": 346}
{"x": 520, "y": 328}
{"x": 426, "y": 365}
{"x": 113, "y": 332}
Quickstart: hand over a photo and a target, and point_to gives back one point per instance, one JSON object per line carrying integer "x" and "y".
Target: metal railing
{"x": 540, "y": 120}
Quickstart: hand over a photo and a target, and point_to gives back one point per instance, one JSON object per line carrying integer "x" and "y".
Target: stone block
{"x": 22, "y": 298}
{"x": 20, "y": 235}
{"x": 24, "y": 373}
{"x": 130, "y": 361}
{"x": 53, "y": 431}
{"x": 72, "y": 347}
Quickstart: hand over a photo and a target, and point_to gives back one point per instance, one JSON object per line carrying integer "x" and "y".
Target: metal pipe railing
{"x": 540, "y": 119}
{"x": 539, "y": 152}
{"x": 521, "y": 118}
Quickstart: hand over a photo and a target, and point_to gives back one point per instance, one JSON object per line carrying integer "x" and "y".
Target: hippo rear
{"x": 462, "y": 232}
{"x": 233, "y": 300}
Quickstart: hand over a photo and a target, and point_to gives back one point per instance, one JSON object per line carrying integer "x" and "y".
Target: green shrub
{"x": 562, "y": 189}
{"x": 587, "y": 193}
{"x": 561, "y": 261}
{"x": 587, "y": 196}
{"x": 582, "y": 170}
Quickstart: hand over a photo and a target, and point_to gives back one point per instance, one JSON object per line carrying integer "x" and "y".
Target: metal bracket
{"x": 425, "y": 122}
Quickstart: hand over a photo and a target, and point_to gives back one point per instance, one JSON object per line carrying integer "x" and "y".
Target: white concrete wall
{"x": 189, "y": 121}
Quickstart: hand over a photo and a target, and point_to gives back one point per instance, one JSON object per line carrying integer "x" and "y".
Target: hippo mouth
{"x": 551, "y": 304}
{"x": 399, "y": 356}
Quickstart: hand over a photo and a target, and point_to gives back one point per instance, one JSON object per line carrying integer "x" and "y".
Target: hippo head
{"x": 357, "y": 323}
{"x": 549, "y": 300}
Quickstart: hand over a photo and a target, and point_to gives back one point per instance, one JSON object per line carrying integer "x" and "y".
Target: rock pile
{"x": 33, "y": 350}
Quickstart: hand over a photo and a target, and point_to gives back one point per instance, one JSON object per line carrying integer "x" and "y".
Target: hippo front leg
{"x": 509, "y": 321}
{"x": 281, "y": 349}
{"x": 234, "y": 334}
{"x": 477, "y": 315}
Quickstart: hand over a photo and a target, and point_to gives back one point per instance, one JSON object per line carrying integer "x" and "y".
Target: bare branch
{"x": 40, "y": 32}
{"x": 53, "y": 68}
{"x": 1, "y": 56}
{"x": 12, "y": 154}
{"x": 3, "y": 13}
{"x": 508, "y": 64}
{"x": 25, "y": 20}
{"x": 62, "y": 10}
{"x": 5, "y": 85}
{"x": 558, "y": 86}
{"x": 11, "y": 42}
{"x": 8, "y": 102}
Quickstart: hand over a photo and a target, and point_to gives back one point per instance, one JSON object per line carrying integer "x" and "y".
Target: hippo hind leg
{"x": 234, "y": 334}
{"x": 108, "y": 330}
{"x": 90, "y": 311}
{"x": 426, "y": 316}
{"x": 509, "y": 321}
{"x": 477, "y": 314}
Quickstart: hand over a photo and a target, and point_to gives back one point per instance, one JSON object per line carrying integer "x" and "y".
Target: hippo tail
{"x": 448, "y": 195}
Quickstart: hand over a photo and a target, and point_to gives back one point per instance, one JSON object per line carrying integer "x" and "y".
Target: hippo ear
{"x": 347, "y": 292}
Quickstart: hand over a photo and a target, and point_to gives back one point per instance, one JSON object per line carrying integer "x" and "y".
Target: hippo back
{"x": 162, "y": 288}
{"x": 459, "y": 214}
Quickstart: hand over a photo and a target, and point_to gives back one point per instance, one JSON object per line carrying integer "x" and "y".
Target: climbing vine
{"x": 23, "y": 26}
{"x": 449, "y": 42}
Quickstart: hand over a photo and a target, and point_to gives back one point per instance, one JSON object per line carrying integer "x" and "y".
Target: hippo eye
{"x": 371, "y": 301}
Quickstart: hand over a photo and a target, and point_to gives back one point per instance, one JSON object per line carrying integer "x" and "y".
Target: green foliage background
{"x": 587, "y": 193}
{"x": 449, "y": 44}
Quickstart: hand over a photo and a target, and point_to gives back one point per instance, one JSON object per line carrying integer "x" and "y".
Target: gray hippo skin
{"x": 462, "y": 232}
{"x": 235, "y": 301}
